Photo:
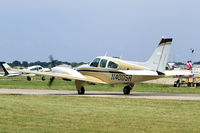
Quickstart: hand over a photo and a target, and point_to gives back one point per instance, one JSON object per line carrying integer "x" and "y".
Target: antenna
{"x": 121, "y": 56}
{"x": 106, "y": 53}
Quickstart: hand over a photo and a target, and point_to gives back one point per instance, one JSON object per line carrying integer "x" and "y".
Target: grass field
{"x": 21, "y": 113}
{"x": 22, "y": 83}
{"x": 46, "y": 114}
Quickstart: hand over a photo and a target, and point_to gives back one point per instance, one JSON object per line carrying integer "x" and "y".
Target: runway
{"x": 143, "y": 95}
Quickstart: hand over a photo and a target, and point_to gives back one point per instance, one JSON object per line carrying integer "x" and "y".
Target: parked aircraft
{"x": 10, "y": 73}
{"x": 109, "y": 70}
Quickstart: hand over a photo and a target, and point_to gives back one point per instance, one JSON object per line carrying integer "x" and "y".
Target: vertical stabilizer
{"x": 7, "y": 71}
{"x": 159, "y": 58}
{"x": 4, "y": 67}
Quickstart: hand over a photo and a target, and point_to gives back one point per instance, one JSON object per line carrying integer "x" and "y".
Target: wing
{"x": 71, "y": 74}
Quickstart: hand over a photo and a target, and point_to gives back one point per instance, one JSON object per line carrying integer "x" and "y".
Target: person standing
{"x": 189, "y": 65}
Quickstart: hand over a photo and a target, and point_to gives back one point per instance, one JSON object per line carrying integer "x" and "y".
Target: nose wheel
{"x": 127, "y": 89}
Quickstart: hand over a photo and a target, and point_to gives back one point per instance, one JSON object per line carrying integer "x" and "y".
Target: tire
{"x": 190, "y": 84}
{"x": 43, "y": 78}
{"x": 81, "y": 91}
{"x": 126, "y": 90}
{"x": 175, "y": 84}
{"x": 178, "y": 84}
{"x": 28, "y": 78}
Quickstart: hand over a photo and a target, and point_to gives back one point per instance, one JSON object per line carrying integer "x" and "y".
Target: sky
{"x": 80, "y": 30}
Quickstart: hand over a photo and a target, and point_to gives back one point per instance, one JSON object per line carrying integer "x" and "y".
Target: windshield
{"x": 95, "y": 62}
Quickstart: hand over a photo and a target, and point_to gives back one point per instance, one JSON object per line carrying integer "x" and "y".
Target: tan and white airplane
{"x": 109, "y": 70}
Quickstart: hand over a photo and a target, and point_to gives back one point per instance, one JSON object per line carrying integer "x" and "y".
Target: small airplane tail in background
{"x": 159, "y": 58}
{"x": 5, "y": 66}
{"x": 9, "y": 73}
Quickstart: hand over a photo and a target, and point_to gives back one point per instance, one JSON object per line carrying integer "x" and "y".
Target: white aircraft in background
{"x": 38, "y": 68}
{"x": 10, "y": 73}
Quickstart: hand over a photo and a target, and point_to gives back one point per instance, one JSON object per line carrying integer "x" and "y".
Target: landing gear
{"x": 81, "y": 91}
{"x": 80, "y": 87}
{"x": 28, "y": 78}
{"x": 43, "y": 78}
{"x": 127, "y": 89}
{"x": 177, "y": 83}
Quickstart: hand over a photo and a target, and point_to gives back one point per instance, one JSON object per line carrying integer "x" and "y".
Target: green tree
{"x": 16, "y": 63}
{"x": 25, "y": 63}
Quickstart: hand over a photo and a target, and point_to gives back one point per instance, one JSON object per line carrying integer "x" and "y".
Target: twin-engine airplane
{"x": 109, "y": 70}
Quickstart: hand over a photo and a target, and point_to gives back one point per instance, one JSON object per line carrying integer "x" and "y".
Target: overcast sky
{"x": 79, "y": 30}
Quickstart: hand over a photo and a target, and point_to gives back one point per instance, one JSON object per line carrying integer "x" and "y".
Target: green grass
{"x": 22, "y": 83}
{"x": 23, "y": 113}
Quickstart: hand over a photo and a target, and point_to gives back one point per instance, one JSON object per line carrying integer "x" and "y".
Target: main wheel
{"x": 175, "y": 84}
{"x": 127, "y": 90}
{"x": 43, "y": 78}
{"x": 81, "y": 91}
{"x": 178, "y": 84}
{"x": 28, "y": 78}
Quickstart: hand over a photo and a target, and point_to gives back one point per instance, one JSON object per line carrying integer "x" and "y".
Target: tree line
{"x": 43, "y": 64}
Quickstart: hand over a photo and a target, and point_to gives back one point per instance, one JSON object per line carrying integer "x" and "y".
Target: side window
{"x": 40, "y": 68}
{"x": 103, "y": 63}
{"x": 33, "y": 69}
{"x": 95, "y": 62}
{"x": 112, "y": 65}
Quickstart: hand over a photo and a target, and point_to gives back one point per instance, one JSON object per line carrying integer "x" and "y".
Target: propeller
{"x": 52, "y": 61}
{"x": 51, "y": 81}
{"x": 52, "y": 65}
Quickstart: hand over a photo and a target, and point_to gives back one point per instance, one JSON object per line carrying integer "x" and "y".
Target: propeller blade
{"x": 52, "y": 61}
{"x": 51, "y": 81}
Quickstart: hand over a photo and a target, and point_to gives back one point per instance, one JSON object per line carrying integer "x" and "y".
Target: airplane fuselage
{"x": 111, "y": 71}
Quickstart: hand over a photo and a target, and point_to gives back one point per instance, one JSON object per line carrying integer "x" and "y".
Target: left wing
{"x": 71, "y": 74}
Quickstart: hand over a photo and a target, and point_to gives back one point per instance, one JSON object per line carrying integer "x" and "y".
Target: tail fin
{"x": 159, "y": 58}
{"x": 4, "y": 67}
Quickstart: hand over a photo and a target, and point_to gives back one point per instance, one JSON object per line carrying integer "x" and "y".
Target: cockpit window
{"x": 103, "y": 63}
{"x": 95, "y": 62}
{"x": 112, "y": 65}
{"x": 33, "y": 69}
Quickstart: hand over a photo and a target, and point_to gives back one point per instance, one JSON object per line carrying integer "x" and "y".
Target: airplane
{"x": 38, "y": 68}
{"x": 10, "y": 73}
{"x": 109, "y": 70}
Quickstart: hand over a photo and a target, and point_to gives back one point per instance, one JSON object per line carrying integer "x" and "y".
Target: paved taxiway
{"x": 144, "y": 95}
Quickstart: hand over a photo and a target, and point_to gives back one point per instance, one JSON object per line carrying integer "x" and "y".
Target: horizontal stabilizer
{"x": 140, "y": 72}
{"x": 178, "y": 73}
